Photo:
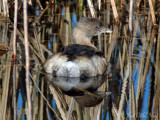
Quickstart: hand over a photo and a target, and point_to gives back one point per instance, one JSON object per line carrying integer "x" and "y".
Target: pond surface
{"x": 129, "y": 90}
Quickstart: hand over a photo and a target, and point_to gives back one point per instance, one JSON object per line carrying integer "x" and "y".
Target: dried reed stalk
{"x": 148, "y": 60}
{"x": 108, "y": 16}
{"x": 35, "y": 99}
{"x": 5, "y": 8}
{"x": 14, "y": 92}
{"x": 15, "y": 29}
{"x": 42, "y": 95}
{"x": 38, "y": 46}
{"x": 70, "y": 109}
{"x": 3, "y": 102}
{"x": 41, "y": 14}
{"x": 138, "y": 3}
{"x": 130, "y": 55}
{"x": 98, "y": 112}
{"x": 32, "y": 48}
{"x": 157, "y": 80}
{"x": 113, "y": 43}
{"x": 121, "y": 3}
{"x": 114, "y": 11}
{"x": 141, "y": 67}
{"x": 123, "y": 91}
{"x": 66, "y": 27}
{"x": 99, "y": 4}
{"x": 152, "y": 12}
{"x": 55, "y": 44}
{"x": 14, "y": 57}
{"x": 105, "y": 45}
{"x": 131, "y": 16}
{"x": 155, "y": 113}
{"x": 115, "y": 112}
{"x": 91, "y": 7}
{"x": 122, "y": 57}
{"x": 156, "y": 104}
{"x": 42, "y": 101}
{"x": 59, "y": 101}
{"x": 135, "y": 31}
{"x": 99, "y": 43}
{"x": 40, "y": 5}
{"x": 133, "y": 103}
{"x": 26, "y": 43}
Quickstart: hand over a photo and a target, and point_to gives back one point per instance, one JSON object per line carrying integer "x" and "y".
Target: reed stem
{"x": 29, "y": 112}
{"x": 114, "y": 11}
{"x": 152, "y": 12}
{"x": 91, "y": 7}
{"x": 130, "y": 55}
{"x": 15, "y": 29}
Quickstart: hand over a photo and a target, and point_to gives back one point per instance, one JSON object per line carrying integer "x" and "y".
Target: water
{"x": 52, "y": 98}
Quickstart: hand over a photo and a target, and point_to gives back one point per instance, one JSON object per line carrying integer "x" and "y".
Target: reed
{"x": 91, "y": 7}
{"x": 5, "y": 8}
{"x": 15, "y": 28}
{"x": 129, "y": 59}
{"x": 41, "y": 14}
{"x": 5, "y": 93}
{"x": 152, "y": 12}
{"x": 134, "y": 59}
{"x": 115, "y": 11}
{"x": 29, "y": 104}
{"x": 138, "y": 3}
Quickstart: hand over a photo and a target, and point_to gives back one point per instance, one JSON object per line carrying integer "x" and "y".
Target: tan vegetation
{"x": 133, "y": 49}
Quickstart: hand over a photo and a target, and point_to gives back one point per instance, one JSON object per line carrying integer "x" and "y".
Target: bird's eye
{"x": 97, "y": 27}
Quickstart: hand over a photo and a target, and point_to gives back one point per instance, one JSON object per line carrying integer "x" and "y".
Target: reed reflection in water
{"x": 53, "y": 31}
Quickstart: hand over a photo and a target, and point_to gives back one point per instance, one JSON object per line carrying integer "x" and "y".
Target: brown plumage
{"x": 81, "y": 58}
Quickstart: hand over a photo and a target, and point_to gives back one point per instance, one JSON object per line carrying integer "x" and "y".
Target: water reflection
{"x": 83, "y": 90}
{"x": 51, "y": 32}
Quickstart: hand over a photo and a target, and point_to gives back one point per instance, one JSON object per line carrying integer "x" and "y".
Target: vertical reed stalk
{"x": 29, "y": 112}
{"x": 105, "y": 46}
{"x": 41, "y": 14}
{"x": 99, "y": 4}
{"x": 15, "y": 29}
{"x": 152, "y": 12}
{"x": 114, "y": 11}
{"x": 6, "y": 82}
{"x": 149, "y": 54}
{"x": 70, "y": 109}
{"x": 138, "y": 3}
{"x": 66, "y": 26}
{"x": 130, "y": 55}
{"x": 130, "y": 16}
{"x": 14, "y": 92}
{"x": 113, "y": 43}
{"x": 123, "y": 91}
{"x": 91, "y": 7}
{"x": 121, "y": 3}
{"x": 157, "y": 59}
{"x": 42, "y": 101}
{"x": 14, "y": 57}
{"x": 157, "y": 78}
{"x": 5, "y": 8}
{"x": 135, "y": 24}
{"x": 59, "y": 105}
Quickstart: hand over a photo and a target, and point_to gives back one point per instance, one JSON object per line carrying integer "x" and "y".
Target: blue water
{"x": 20, "y": 104}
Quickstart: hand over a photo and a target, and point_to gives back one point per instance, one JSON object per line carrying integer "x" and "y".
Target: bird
{"x": 80, "y": 59}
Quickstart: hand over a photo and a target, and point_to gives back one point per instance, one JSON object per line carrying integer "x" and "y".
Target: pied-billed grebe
{"x": 81, "y": 58}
